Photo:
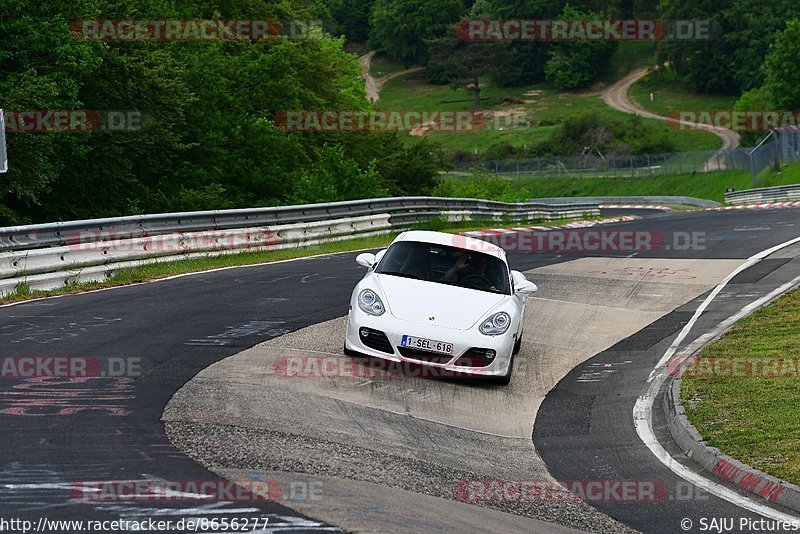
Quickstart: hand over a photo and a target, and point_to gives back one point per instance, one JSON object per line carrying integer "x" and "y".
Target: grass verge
{"x": 672, "y": 96}
{"x": 754, "y": 417}
{"x": 547, "y": 106}
{"x": 383, "y": 65}
{"x": 154, "y": 271}
{"x": 629, "y": 56}
{"x": 710, "y": 185}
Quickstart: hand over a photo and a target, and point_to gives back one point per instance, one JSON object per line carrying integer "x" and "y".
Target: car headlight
{"x": 370, "y": 302}
{"x": 496, "y": 324}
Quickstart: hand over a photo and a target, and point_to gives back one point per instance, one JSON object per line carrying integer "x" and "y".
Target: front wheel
{"x": 517, "y": 345}
{"x": 348, "y": 352}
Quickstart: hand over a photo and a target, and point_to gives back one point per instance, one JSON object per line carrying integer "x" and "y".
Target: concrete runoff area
{"x": 425, "y": 436}
{"x": 385, "y": 509}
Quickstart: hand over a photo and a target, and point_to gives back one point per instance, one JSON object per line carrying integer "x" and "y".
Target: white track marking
{"x": 752, "y": 260}
{"x": 643, "y": 409}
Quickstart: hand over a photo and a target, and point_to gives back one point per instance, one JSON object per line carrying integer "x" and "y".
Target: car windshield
{"x": 446, "y": 265}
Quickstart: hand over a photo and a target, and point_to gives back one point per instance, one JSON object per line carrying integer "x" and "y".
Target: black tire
{"x": 348, "y": 352}
{"x": 517, "y": 345}
{"x": 504, "y": 380}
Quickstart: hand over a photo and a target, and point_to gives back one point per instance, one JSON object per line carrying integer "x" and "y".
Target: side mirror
{"x": 522, "y": 285}
{"x": 366, "y": 259}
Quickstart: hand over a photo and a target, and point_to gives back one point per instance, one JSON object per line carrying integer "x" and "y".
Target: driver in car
{"x": 466, "y": 265}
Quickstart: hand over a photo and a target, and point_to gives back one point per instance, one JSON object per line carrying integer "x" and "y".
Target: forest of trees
{"x": 210, "y": 141}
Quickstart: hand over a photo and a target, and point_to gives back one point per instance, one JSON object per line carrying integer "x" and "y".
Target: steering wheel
{"x": 478, "y": 281}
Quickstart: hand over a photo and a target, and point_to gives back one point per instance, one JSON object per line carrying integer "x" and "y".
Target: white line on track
{"x": 643, "y": 409}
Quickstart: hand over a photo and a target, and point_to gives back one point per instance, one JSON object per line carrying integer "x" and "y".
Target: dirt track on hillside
{"x": 616, "y": 96}
{"x": 373, "y": 85}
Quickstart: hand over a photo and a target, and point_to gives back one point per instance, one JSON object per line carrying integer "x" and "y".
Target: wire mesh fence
{"x": 778, "y": 146}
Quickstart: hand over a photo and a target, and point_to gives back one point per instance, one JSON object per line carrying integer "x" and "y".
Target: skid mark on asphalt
{"x": 315, "y": 277}
{"x": 44, "y": 331}
{"x": 41, "y": 488}
{"x": 597, "y": 372}
{"x": 643, "y": 272}
{"x": 233, "y": 333}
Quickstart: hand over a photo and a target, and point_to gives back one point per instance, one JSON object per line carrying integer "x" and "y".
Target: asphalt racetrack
{"x": 382, "y": 454}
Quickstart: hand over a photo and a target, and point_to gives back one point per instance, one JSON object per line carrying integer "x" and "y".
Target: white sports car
{"x": 440, "y": 300}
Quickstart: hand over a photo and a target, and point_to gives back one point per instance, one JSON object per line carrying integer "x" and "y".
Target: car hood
{"x": 450, "y": 306}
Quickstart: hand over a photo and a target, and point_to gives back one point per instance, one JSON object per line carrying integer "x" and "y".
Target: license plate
{"x": 431, "y": 345}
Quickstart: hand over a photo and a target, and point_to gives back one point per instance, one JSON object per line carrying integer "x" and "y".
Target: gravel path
{"x": 373, "y": 85}
{"x": 616, "y": 96}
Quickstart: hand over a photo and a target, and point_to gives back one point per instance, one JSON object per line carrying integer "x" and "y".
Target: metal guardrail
{"x": 47, "y": 256}
{"x": 652, "y": 199}
{"x": 401, "y": 209}
{"x": 764, "y": 194}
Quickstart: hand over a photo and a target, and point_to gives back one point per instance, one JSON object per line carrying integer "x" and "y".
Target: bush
{"x": 608, "y": 136}
{"x": 336, "y": 177}
{"x": 576, "y": 64}
{"x": 481, "y": 184}
{"x": 753, "y": 100}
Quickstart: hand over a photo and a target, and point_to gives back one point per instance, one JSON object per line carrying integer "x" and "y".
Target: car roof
{"x": 453, "y": 240}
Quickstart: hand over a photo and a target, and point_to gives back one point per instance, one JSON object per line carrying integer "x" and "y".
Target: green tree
{"x": 352, "y": 18}
{"x": 753, "y": 100}
{"x": 400, "y": 27}
{"x": 525, "y": 61}
{"x": 782, "y": 84}
{"x": 208, "y": 140}
{"x": 41, "y": 67}
{"x": 733, "y": 61}
{"x": 576, "y": 64}
{"x": 462, "y": 63}
{"x": 337, "y": 177}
